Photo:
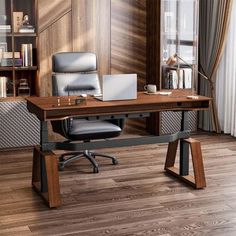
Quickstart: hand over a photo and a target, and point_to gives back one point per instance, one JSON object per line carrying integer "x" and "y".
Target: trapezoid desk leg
{"x": 45, "y": 180}
{"x": 198, "y": 180}
{"x": 171, "y": 154}
{"x": 198, "y": 167}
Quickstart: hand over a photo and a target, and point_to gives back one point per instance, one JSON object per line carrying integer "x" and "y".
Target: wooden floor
{"x": 135, "y": 197}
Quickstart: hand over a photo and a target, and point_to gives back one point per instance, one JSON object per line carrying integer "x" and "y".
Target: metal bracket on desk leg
{"x": 43, "y": 139}
{"x": 184, "y": 147}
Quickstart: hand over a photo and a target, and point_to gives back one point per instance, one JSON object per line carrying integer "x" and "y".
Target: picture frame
{"x": 17, "y": 20}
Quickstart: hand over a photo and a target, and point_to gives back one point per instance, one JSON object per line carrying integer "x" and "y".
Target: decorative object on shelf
{"x": 27, "y": 54}
{"x": 3, "y": 87}
{"x": 17, "y": 20}
{"x": 3, "y": 48}
{"x": 26, "y": 27}
{"x": 23, "y": 89}
{"x": 173, "y": 59}
{"x": 25, "y": 20}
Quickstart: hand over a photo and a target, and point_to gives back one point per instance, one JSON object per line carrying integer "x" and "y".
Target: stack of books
{"x": 9, "y": 60}
{"x": 5, "y": 28}
{"x": 27, "y": 54}
{"x": 179, "y": 79}
{"x": 27, "y": 29}
{"x": 3, "y": 87}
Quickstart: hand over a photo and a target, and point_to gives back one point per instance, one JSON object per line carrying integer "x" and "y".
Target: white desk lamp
{"x": 172, "y": 60}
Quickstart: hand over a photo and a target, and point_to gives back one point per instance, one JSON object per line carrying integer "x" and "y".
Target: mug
{"x": 150, "y": 88}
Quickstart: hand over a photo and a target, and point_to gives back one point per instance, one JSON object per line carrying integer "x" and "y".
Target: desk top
{"x": 48, "y": 108}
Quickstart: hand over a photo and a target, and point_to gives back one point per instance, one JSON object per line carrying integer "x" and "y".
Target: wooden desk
{"x": 45, "y": 178}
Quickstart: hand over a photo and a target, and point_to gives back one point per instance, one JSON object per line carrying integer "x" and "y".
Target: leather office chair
{"x": 74, "y": 73}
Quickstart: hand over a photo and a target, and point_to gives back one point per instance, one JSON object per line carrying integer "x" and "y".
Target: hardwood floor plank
{"x": 135, "y": 197}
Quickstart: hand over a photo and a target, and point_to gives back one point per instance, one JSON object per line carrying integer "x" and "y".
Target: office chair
{"x": 74, "y": 73}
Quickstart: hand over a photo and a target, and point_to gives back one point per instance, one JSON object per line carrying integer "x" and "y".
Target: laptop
{"x": 118, "y": 87}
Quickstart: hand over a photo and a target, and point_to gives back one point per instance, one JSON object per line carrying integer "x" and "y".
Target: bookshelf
{"x": 18, "y": 49}
{"x": 179, "y": 34}
{"x": 172, "y": 27}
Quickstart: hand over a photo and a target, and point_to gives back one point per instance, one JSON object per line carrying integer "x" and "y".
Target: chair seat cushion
{"x": 81, "y": 129}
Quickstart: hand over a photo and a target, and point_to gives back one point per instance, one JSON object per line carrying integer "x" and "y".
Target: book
{"x": 17, "y": 20}
{"x": 27, "y": 29}
{"x": 11, "y": 62}
{"x": 10, "y": 54}
{"x": 181, "y": 79}
{"x": 5, "y": 26}
{"x": 187, "y": 78}
{"x": 173, "y": 79}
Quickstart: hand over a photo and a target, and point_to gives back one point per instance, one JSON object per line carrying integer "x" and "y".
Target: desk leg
{"x": 198, "y": 181}
{"x": 47, "y": 186}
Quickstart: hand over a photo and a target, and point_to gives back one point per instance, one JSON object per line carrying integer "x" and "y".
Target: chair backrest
{"x": 74, "y": 73}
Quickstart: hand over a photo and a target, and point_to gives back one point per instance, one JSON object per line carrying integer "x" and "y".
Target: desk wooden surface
{"x": 47, "y": 108}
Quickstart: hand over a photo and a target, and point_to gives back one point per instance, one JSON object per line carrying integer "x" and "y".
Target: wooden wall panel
{"x": 128, "y": 38}
{"x": 153, "y": 42}
{"x": 91, "y": 30}
{"x": 153, "y": 56}
{"x": 51, "y": 11}
{"x": 53, "y": 40}
{"x": 114, "y": 29}
{"x": 44, "y": 62}
{"x": 61, "y": 35}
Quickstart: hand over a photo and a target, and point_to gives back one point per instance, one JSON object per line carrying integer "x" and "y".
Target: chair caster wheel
{"x": 60, "y": 167}
{"x": 114, "y": 162}
{"x": 95, "y": 170}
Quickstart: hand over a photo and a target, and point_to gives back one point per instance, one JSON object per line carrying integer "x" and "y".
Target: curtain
{"x": 226, "y": 81}
{"x": 214, "y": 18}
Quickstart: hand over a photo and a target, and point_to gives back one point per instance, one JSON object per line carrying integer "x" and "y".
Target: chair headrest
{"x": 69, "y": 62}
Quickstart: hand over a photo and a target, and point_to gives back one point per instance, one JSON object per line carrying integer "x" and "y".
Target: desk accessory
{"x": 164, "y": 93}
{"x": 150, "y": 88}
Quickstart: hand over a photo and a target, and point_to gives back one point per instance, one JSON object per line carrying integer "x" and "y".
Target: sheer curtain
{"x": 226, "y": 81}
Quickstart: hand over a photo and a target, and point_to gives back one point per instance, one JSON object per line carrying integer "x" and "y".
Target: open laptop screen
{"x": 119, "y": 87}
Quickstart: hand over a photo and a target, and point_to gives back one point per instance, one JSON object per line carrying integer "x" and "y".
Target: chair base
{"x": 71, "y": 156}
